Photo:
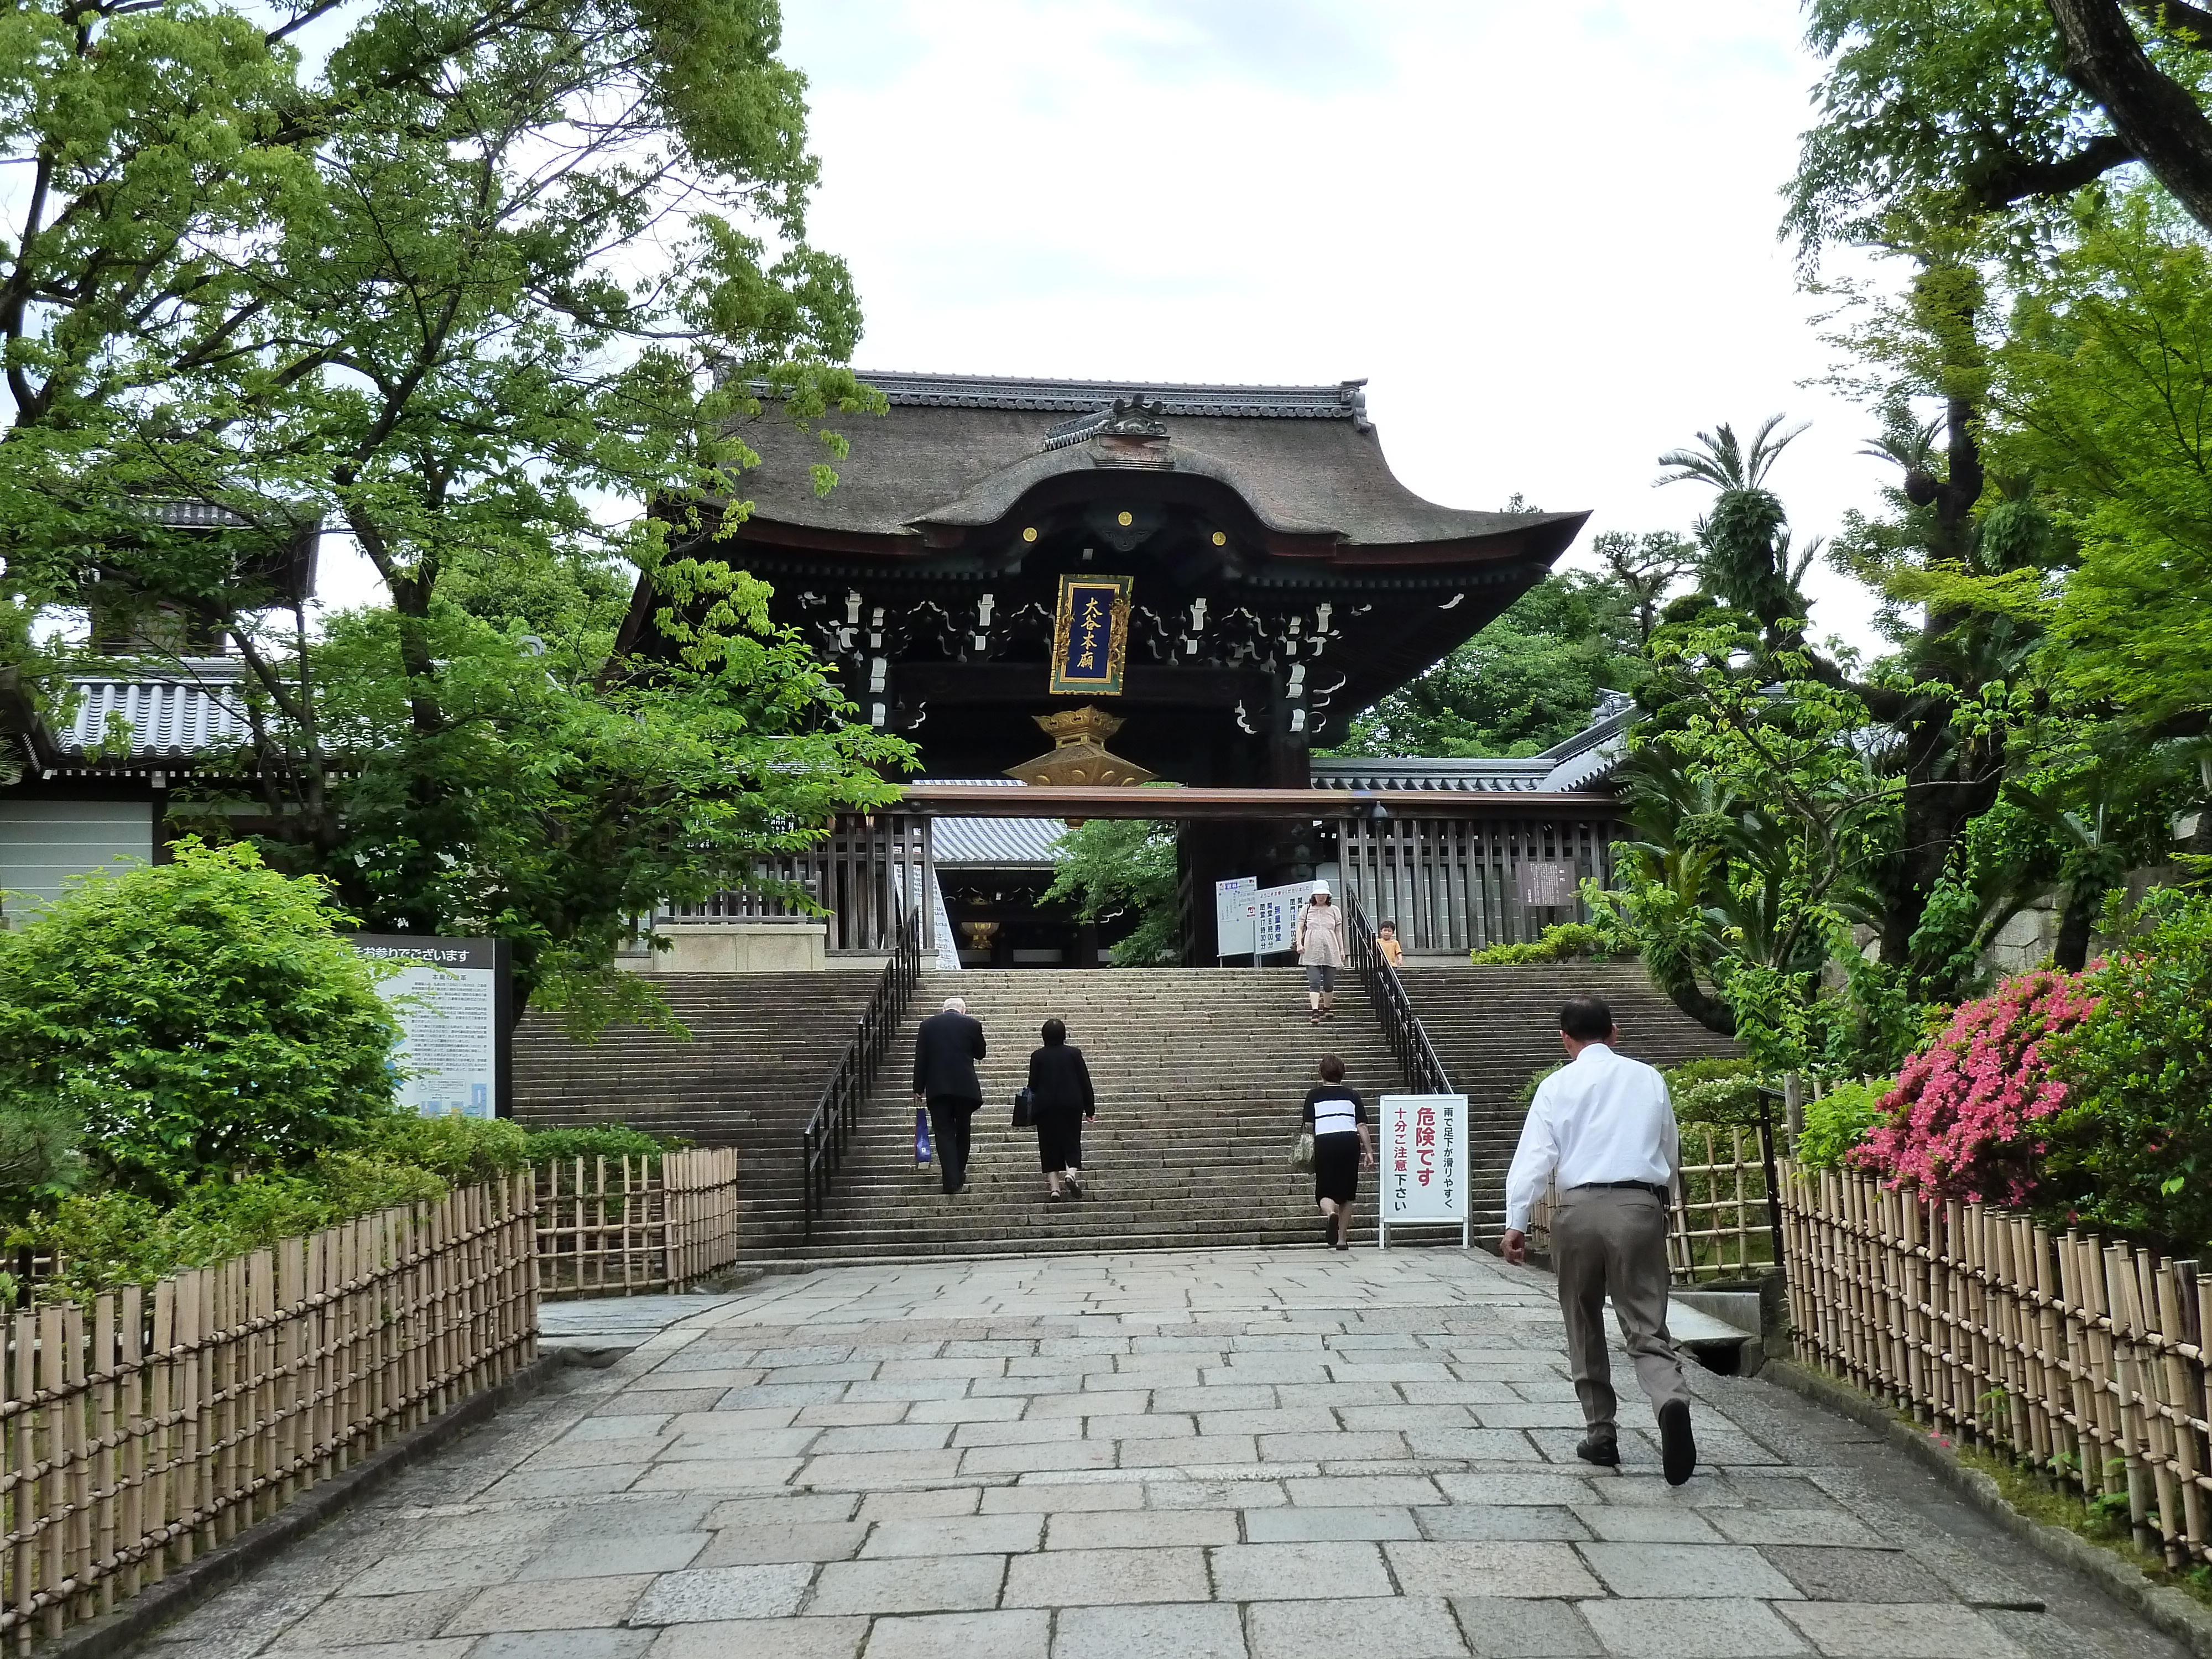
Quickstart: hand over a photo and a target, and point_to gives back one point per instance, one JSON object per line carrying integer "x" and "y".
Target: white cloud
{"x": 1545, "y": 234}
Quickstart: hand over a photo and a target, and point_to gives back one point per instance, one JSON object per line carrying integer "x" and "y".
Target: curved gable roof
{"x": 957, "y": 453}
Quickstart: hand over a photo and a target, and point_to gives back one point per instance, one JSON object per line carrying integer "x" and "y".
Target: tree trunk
{"x": 2070, "y": 952}
{"x": 2158, "y": 116}
{"x": 1683, "y": 990}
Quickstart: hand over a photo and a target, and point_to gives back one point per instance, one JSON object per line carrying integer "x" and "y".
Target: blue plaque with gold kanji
{"x": 1091, "y": 636}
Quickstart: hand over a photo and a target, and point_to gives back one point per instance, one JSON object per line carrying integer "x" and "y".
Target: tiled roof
{"x": 993, "y": 843}
{"x": 1457, "y": 776}
{"x": 1584, "y": 760}
{"x": 178, "y": 714}
{"x": 1344, "y": 401}
{"x": 960, "y": 453}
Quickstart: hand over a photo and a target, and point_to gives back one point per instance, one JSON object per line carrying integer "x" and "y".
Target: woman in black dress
{"x": 1061, "y": 1084}
{"x": 1343, "y": 1147}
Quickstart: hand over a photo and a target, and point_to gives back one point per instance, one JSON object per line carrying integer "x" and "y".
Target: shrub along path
{"x": 1223, "y": 1454}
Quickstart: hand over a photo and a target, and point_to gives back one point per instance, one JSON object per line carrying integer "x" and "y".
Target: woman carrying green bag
{"x": 1343, "y": 1145}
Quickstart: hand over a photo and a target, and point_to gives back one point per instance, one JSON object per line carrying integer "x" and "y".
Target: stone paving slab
{"x": 1205, "y": 1455}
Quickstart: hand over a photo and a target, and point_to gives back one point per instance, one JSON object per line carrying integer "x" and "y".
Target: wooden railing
{"x": 1725, "y": 1219}
{"x": 1459, "y": 883}
{"x": 836, "y": 1114}
{"x": 156, "y": 1425}
{"x": 625, "y": 1226}
{"x": 1409, "y": 1039}
{"x": 864, "y": 879}
{"x": 2082, "y": 1356}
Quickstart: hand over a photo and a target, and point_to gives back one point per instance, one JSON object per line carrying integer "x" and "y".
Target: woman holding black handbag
{"x": 1060, "y": 1102}
{"x": 1342, "y": 1147}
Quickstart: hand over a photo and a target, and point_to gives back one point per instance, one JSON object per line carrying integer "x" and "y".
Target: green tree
{"x": 1759, "y": 816}
{"x": 196, "y": 1017}
{"x": 1956, "y": 110}
{"x": 1117, "y": 868}
{"x": 1526, "y": 681}
{"x": 2100, "y": 384}
{"x": 496, "y": 263}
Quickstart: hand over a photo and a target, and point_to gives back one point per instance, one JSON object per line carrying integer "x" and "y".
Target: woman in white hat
{"x": 1320, "y": 951}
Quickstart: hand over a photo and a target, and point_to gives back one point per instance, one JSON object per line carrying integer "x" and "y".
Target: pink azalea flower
{"x": 1962, "y": 1114}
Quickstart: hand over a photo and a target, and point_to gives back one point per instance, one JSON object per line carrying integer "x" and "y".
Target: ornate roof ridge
{"x": 1344, "y": 401}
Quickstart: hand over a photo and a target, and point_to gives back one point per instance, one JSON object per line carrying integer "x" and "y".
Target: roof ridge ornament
{"x": 1131, "y": 434}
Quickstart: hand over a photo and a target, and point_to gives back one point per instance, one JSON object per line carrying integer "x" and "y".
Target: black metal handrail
{"x": 836, "y": 1114}
{"x": 1409, "y": 1039}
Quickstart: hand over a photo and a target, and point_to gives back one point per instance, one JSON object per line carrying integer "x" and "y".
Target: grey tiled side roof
{"x": 177, "y": 714}
{"x": 1581, "y": 762}
{"x": 993, "y": 843}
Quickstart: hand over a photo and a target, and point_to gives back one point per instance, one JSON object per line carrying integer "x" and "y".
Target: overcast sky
{"x": 1544, "y": 235}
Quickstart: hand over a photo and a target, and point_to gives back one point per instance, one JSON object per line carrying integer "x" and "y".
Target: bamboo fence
{"x": 2079, "y": 1356}
{"x": 160, "y": 1422}
{"x": 1719, "y": 1227}
{"x": 627, "y": 1225}
{"x": 1718, "y": 1223}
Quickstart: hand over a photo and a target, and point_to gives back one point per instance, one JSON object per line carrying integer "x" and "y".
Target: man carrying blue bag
{"x": 946, "y": 1050}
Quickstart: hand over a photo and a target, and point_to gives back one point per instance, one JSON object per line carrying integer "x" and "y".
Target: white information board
{"x": 1232, "y": 915}
{"x": 1424, "y": 1159}
{"x": 449, "y": 997}
{"x": 1275, "y": 916}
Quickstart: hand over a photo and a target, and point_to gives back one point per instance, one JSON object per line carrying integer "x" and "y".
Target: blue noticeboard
{"x": 453, "y": 998}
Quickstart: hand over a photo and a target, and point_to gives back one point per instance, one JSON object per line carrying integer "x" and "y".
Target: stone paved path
{"x": 1229, "y": 1454}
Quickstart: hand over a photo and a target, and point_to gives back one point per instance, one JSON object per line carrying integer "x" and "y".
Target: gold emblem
{"x": 1078, "y": 752}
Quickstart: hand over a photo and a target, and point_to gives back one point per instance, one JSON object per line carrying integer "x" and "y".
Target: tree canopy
{"x": 489, "y": 288}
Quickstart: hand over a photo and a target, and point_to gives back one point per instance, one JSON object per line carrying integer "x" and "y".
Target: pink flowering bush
{"x": 1968, "y": 1116}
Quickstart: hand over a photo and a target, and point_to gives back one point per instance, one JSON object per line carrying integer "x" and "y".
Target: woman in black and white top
{"x": 1343, "y": 1145}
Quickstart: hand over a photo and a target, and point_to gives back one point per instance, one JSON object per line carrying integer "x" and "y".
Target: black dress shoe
{"x": 1605, "y": 1453}
{"x": 1678, "y": 1446}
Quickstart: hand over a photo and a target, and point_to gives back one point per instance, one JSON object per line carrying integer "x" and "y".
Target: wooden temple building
{"x": 1194, "y": 585}
{"x": 1056, "y": 591}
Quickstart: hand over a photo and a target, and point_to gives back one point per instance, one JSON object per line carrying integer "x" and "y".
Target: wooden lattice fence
{"x": 627, "y": 1225}
{"x": 2081, "y": 1355}
{"x": 1721, "y": 1225}
{"x": 156, "y": 1424}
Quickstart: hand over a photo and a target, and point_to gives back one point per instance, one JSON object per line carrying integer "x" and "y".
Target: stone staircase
{"x": 1494, "y": 1028}
{"x": 1200, "y": 1074}
{"x": 762, "y": 1046}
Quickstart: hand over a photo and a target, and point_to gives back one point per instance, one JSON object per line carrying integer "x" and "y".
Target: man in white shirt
{"x": 1603, "y": 1127}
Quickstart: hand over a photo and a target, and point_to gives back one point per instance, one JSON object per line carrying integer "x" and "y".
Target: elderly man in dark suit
{"x": 945, "y": 1051}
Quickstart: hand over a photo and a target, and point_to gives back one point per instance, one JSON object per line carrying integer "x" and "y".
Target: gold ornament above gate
{"x": 1079, "y": 754}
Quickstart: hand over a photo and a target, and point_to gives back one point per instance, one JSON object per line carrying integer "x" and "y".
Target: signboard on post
{"x": 1424, "y": 1159}
{"x": 453, "y": 998}
{"x": 1232, "y": 915}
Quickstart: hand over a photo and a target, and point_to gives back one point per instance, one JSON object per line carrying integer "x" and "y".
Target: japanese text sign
{"x": 1423, "y": 1156}
{"x": 1091, "y": 637}
{"x": 451, "y": 997}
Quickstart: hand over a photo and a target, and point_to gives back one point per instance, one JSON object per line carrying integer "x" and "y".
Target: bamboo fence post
{"x": 130, "y": 1362}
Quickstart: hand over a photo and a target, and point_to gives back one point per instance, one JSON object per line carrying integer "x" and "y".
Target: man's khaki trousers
{"x": 1613, "y": 1239}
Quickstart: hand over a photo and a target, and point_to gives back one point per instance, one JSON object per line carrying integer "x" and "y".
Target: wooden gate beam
{"x": 975, "y": 801}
